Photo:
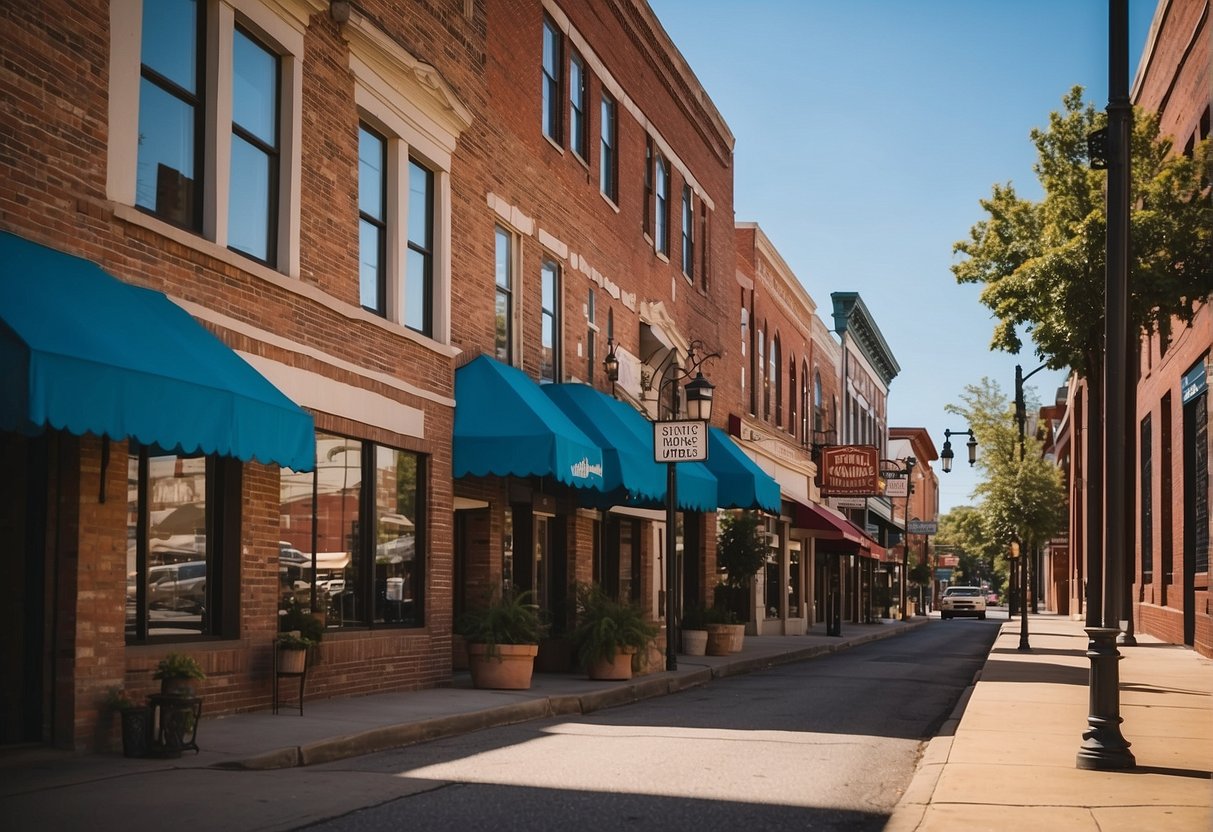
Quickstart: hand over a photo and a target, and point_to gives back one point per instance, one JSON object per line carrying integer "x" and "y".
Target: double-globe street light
{"x": 945, "y": 458}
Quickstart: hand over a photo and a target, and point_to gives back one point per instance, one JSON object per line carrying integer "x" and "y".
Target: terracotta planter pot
{"x": 694, "y": 642}
{"x": 618, "y": 670}
{"x": 509, "y": 668}
{"x": 720, "y": 640}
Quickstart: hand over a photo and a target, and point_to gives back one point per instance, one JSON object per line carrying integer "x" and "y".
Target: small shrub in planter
{"x": 606, "y": 627}
{"x": 177, "y": 672}
{"x": 502, "y": 640}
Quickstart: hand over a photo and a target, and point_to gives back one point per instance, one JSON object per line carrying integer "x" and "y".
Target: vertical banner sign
{"x": 850, "y": 469}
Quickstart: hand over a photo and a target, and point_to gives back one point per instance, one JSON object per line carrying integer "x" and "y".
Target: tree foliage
{"x": 1022, "y": 499}
{"x": 1042, "y": 263}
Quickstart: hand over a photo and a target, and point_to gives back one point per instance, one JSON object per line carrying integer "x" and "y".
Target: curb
{"x": 408, "y": 733}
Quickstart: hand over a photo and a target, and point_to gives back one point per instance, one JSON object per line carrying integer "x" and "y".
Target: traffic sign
{"x": 682, "y": 441}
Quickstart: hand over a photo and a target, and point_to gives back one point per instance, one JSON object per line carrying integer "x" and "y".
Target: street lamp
{"x": 699, "y": 409}
{"x": 946, "y": 455}
{"x": 1021, "y": 416}
{"x": 610, "y": 364}
{"x": 906, "y": 466}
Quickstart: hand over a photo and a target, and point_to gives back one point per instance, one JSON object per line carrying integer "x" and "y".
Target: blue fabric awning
{"x": 506, "y": 426}
{"x": 84, "y": 352}
{"x": 629, "y": 472}
{"x": 631, "y": 475}
{"x": 740, "y": 482}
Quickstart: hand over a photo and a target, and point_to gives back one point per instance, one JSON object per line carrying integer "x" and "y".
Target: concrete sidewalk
{"x": 1007, "y": 758}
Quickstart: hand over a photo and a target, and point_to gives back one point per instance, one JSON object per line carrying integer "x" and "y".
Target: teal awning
{"x": 506, "y": 426}
{"x": 740, "y": 482}
{"x": 84, "y": 352}
{"x": 629, "y": 472}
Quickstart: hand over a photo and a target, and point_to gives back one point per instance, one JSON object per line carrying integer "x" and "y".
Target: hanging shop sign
{"x": 681, "y": 441}
{"x": 850, "y": 469}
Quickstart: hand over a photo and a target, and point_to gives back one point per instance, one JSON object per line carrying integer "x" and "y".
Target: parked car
{"x": 963, "y": 600}
{"x": 177, "y": 586}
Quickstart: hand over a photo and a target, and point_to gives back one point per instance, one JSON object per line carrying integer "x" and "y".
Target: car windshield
{"x": 963, "y": 590}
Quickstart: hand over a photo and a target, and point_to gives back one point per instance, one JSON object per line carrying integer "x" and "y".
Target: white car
{"x": 963, "y": 600}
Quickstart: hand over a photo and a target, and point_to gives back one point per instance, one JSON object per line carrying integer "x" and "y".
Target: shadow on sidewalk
{"x": 1034, "y": 672}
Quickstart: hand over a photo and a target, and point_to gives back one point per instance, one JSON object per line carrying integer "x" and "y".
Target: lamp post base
{"x": 1104, "y": 748}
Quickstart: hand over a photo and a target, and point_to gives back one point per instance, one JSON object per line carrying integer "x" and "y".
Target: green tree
{"x": 1042, "y": 263}
{"x": 1021, "y": 499}
{"x": 964, "y": 530}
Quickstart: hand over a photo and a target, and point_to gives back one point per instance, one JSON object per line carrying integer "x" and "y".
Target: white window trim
{"x": 421, "y": 118}
{"x": 281, "y": 25}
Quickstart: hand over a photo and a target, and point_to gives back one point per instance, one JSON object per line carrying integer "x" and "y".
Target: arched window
{"x": 819, "y": 416}
{"x": 759, "y": 369}
{"x": 776, "y": 387}
{"x": 805, "y": 425}
{"x": 792, "y": 396}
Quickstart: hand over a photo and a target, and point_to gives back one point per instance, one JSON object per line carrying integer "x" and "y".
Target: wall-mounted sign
{"x": 850, "y": 469}
{"x": 922, "y": 527}
{"x": 1195, "y": 382}
{"x": 682, "y": 441}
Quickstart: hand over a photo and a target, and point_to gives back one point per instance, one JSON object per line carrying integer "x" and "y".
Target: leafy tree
{"x": 1021, "y": 499}
{"x": 964, "y": 530}
{"x": 1042, "y": 263}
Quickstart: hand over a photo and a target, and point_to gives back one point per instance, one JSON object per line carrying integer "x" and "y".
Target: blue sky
{"x": 868, "y": 130}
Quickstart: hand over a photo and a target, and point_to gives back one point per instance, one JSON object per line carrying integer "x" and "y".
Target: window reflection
{"x": 168, "y": 163}
{"x": 167, "y": 546}
{"x": 356, "y": 579}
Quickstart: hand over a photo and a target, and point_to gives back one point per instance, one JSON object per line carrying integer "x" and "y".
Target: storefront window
{"x": 176, "y": 533}
{"x": 356, "y": 579}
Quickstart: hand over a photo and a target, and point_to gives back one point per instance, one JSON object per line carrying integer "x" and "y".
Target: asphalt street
{"x": 829, "y": 744}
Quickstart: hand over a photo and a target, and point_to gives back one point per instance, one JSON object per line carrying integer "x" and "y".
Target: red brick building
{"x": 1171, "y": 593}
{"x": 385, "y": 231}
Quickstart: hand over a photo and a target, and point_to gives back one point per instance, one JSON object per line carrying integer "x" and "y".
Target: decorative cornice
{"x": 851, "y": 316}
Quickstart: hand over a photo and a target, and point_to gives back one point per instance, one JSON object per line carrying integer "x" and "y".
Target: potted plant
{"x": 292, "y": 649}
{"x": 608, "y": 633}
{"x": 694, "y": 630}
{"x": 741, "y": 550}
{"x": 136, "y": 722}
{"x": 293, "y": 616}
{"x": 502, "y": 639}
{"x": 177, "y": 673}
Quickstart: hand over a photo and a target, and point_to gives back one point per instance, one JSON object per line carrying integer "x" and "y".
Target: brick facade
{"x": 1173, "y": 601}
{"x": 457, "y": 87}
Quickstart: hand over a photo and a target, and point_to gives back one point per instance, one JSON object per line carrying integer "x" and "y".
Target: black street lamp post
{"x": 945, "y": 457}
{"x": 1021, "y": 416}
{"x": 698, "y": 408}
{"x": 1104, "y": 748}
{"x": 906, "y": 467}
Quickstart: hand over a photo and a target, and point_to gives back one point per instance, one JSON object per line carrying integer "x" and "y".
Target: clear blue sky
{"x": 867, "y": 131}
